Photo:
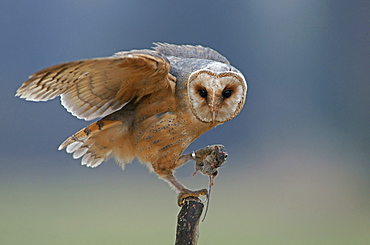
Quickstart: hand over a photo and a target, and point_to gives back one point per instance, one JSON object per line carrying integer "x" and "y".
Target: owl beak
{"x": 214, "y": 114}
{"x": 215, "y": 107}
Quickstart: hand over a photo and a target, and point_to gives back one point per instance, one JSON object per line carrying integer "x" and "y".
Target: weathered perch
{"x": 207, "y": 161}
{"x": 187, "y": 231}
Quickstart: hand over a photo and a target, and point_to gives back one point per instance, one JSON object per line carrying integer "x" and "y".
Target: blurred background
{"x": 299, "y": 161}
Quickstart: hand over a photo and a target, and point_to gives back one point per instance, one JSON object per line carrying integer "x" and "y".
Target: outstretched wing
{"x": 94, "y": 88}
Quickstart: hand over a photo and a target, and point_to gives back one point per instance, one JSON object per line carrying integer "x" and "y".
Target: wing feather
{"x": 94, "y": 88}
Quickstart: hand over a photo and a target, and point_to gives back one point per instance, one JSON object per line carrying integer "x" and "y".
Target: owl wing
{"x": 94, "y": 88}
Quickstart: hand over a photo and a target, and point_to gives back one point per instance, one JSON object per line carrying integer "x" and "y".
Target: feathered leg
{"x": 183, "y": 191}
{"x": 208, "y": 159}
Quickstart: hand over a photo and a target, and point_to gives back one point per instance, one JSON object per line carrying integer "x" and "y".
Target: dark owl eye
{"x": 202, "y": 93}
{"x": 227, "y": 93}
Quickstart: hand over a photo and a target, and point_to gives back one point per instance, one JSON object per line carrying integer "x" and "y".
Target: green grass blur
{"x": 286, "y": 202}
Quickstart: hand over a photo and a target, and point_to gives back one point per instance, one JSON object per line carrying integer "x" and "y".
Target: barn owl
{"x": 151, "y": 104}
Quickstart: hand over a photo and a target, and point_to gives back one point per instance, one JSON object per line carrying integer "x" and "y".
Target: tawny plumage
{"x": 152, "y": 104}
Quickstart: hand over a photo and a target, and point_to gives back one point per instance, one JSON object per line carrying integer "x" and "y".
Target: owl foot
{"x": 209, "y": 159}
{"x": 183, "y": 191}
{"x": 189, "y": 193}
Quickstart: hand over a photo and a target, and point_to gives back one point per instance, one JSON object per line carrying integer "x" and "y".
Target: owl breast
{"x": 165, "y": 138}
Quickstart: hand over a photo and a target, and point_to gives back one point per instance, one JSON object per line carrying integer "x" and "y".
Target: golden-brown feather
{"x": 97, "y": 87}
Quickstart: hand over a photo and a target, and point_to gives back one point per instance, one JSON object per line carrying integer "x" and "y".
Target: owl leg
{"x": 183, "y": 191}
{"x": 207, "y": 161}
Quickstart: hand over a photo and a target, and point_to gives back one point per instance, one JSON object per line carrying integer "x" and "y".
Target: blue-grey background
{"x": 299, "y": 165}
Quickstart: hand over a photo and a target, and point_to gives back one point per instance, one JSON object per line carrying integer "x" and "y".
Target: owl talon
{"x": 209, "y": 159}
{"x": 188, "y": 193}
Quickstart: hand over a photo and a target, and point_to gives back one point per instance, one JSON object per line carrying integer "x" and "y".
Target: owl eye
{"x": 202, "y": 93}
{"x": 227, "y": 93}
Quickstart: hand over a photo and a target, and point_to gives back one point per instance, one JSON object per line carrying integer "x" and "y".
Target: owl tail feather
{"x": 94, "y": 142}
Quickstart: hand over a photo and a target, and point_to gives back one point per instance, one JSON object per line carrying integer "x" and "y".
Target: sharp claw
{"x": 188, "y": 193}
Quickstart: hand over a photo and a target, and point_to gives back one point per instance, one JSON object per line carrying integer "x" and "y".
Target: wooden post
{"x": 187, "y": 231}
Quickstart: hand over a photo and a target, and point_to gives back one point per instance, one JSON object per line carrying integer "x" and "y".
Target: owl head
{"x": 216, "y": 97}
